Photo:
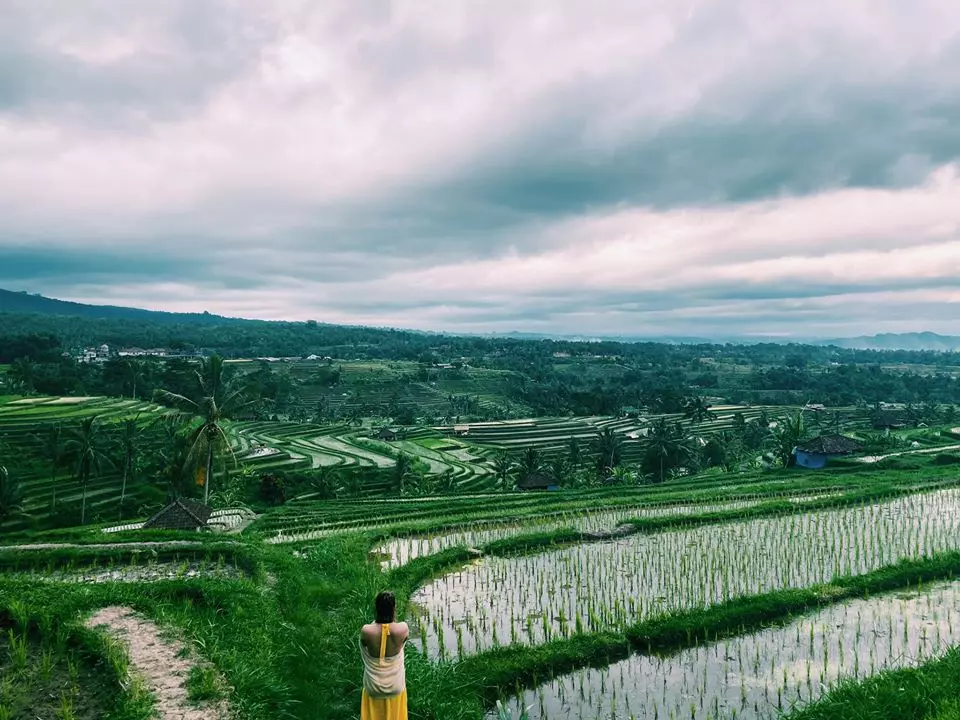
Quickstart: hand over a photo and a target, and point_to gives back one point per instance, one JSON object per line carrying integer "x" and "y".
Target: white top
{"x": 383, "y": 677}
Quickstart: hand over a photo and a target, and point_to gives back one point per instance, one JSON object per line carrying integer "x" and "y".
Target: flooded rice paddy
{"x": 402, "y": 550}
{"x": 590, "y": 587}
{"x": 761, "y": 674}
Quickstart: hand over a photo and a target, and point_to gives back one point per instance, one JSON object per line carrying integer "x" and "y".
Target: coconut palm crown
{"x": 216, "y": 400}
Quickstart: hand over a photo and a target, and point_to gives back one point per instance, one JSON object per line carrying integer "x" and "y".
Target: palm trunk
{"x": 123, "y": 485}
{"x": 209, "y": 475}
{"x": 83, "y": 502}
{"x": 53, "y": 500}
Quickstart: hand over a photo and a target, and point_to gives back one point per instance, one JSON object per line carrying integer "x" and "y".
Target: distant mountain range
{"x": 898, "y": 341}
{"x": 23, "y": 302}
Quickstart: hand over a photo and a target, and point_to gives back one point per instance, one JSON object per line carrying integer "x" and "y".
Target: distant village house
{"x": 815, "y": 454}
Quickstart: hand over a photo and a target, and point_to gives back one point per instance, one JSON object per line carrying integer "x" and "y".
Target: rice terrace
{"x": 457, "y": 360}
{"x": 612, "y": 530}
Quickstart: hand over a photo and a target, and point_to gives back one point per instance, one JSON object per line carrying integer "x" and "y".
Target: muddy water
{"x": 764, "y": 673}
{"x": 500, "y": 601}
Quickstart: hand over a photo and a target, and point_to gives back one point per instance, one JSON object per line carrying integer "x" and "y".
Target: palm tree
{"x": 23, "y": 372}
{"x": 530, "y": 463}
{"x": 789, "y": 431}
{"x": 353, "y": 484}
{"x": 560, "y": 469}
{"x": 574, "y": 454}
{"x": 128, "y": 441}
{"x": 666, "y": 449}
{"x": 697, "y": 409}
{"x": 11, "y": 495}
{"x": 608, "y": 447}
{"x": 325, "y": 483}
{"x": 402, "y": 469}
{"x": 723, "y": 449}
{"x": 136, "y": 374}
{"x": 85, "y": 447}
{"x": 447, "y": 483}
{"x": 215, "y": 401}
{"x": 503, "y": 466}
{"x": 170, "y": 460}
{"x": 52, "y": 440}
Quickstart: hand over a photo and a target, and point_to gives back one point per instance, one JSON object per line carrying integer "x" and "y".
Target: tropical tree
{"x": 574, "y": 453}
{"x": 607, "y": 447}
{"x": 24, "y": 373}
{"x": 86, "y": 447}
{"x": 666, "y": 450}
{"x": 52, "y": 442}
{"x": 352, "y": 484}
{"x": 447, "y": 483}
{"x": 697, "y": 409}
{"x": 128, "y": 445}
{"x": 785, "y": 434}
{"x": 215, "y": 401}
{"x": 423, "y": 483}
{"x": 169, "y": 462}
{"x": 11, "y": 495}
{"x": 401, "y": 473}
{"x": 622, "y": 475}
{"x": 724, "y": 449}
{"x": 560, "y": 469}
{"x": 503, "y": 467}
{"x": 530, "y": 463}
{"x": 136, "y": 375}
{"x": 325, "y": 483}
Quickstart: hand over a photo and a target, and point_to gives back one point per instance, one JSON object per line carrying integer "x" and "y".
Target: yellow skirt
{"x": 391, "y": 708}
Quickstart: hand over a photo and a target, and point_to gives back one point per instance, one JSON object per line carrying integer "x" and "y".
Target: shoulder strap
{"x": 384, "y": 633}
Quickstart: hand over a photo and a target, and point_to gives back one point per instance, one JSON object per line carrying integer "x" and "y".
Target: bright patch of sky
{"x": 640, "y": 167}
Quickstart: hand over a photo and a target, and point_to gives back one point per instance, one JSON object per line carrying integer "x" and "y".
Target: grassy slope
{"x": 286, "y": 638}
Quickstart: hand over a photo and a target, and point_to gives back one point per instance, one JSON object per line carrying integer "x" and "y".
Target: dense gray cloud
{"x": 652, "y": 167}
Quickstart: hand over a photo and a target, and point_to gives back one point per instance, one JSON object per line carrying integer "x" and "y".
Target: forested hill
{"x": 900, "y": 341}
{"x": 23, "y": 302}
{"x": 41, "y": 328}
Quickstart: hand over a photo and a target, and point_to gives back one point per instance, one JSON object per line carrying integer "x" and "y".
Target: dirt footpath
{"x": 163, "y": 665}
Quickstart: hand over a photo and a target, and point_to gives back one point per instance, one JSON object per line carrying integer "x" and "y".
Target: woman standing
{"x": 384, "y": 677}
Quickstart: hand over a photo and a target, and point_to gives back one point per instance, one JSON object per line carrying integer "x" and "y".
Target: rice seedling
{"x": 765, "y": 673}
{"x": 17, "y": 648}
{"x": 399, "y": 551}
{"x": 66, "y": 711}
{"x": 609, "y": 585}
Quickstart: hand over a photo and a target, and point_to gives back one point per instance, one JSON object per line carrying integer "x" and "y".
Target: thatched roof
{"x": 536, "y": 481}
{"x": 181, "y": 514}
{"x": 831, "y": 445}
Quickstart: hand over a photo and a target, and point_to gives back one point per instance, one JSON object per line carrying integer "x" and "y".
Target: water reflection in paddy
{"x": 599, "y": 586}
{"x": 760, "y": 674}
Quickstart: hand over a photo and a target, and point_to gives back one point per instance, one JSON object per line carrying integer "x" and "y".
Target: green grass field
{"x": 810, "y": 594}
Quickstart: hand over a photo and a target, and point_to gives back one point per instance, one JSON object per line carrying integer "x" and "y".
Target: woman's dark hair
{"x": 386, "y": 605}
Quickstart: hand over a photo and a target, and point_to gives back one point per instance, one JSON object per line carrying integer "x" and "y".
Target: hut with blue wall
{"x": 816, "y": 453}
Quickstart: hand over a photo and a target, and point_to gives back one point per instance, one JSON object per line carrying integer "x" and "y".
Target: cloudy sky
{"x": 646, "y": 167}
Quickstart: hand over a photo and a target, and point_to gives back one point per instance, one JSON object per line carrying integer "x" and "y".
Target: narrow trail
{"x": 162, "y": 664}
{"x": 922, "y": 451}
